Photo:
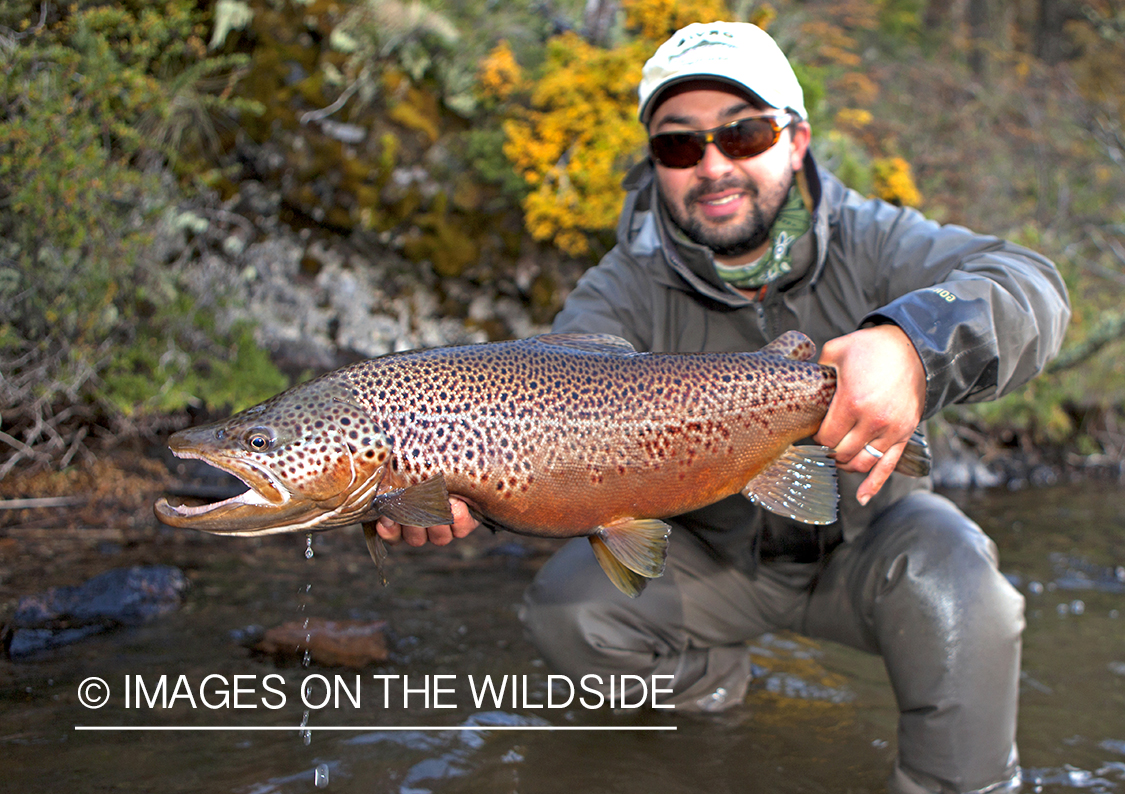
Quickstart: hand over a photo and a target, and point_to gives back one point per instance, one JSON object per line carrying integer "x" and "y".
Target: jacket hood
{"x": 645, "y": 229}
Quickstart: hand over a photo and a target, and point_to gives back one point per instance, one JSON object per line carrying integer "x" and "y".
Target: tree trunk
{"x": 979, "y": 37}
{"x": 939, "y": 15}
{"x": 597, "y": 21}
{"x": 1050, "y": 42}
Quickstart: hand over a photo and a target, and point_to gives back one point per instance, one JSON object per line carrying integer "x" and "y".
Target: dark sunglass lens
{"x": 747, "y": 138}
{"x": 676, "y": 150}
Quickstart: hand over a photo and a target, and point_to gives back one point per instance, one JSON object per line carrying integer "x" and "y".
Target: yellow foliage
{"x": 499, "y": 74}
{"x": 834, "y": 45}
{"x": 656, "y": 20}
{"x": 763, "y": 16}
{"x": 852, "y": 15}
{"x": 579, "y": 134}
{"x": 840, "y": 55}
{"x": 417, "y": 110}
{"x": 574, "y": 143}
{"x": 860, "y": 88}
{"x": 893, "y": 182}
{"x": 853, "y": 118}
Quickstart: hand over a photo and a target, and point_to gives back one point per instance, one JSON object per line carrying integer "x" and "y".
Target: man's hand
{"x": 463, "y": 524}
{"x": 880, "y": 396}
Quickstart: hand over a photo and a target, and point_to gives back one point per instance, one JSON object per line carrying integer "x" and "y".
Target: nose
{"x": 714, "y": 163}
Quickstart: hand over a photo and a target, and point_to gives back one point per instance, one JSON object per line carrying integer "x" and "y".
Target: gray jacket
{"x": 984, "y": 315}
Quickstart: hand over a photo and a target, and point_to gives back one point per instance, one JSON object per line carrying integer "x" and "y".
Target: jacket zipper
{"x": 760, "y": 307}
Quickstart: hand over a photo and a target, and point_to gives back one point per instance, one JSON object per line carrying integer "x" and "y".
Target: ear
{"x": 801, "y": 134}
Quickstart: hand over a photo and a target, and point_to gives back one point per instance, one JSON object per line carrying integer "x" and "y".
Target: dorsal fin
{"x": 791, "y": 344}
{"x": 593, "y": 343}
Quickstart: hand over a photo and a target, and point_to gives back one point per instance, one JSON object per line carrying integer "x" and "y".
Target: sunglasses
{"x": 738, "y": 140}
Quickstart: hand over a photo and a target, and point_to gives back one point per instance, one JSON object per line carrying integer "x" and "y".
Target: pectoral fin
{"x": 801, "y": 485}
{"x": 377, "y": 549}
{"x": 423, "y": 505}
{"x": 631, "y": 552}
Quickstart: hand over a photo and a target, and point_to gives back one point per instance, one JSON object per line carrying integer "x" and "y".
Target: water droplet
{"x": 306, "y": 659}
{"x": 308, "y": 547}
{"x": 320, "y": 777}
{"x": 1062, "y": 609}
{"x": 306, "y": 737}
{"x": 1035, "y": 588}
{"x": 1077, "y": 607}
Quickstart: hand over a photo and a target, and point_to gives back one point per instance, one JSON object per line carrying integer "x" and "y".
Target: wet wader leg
{"x": 691, "y": 623}
{"x": 921, "y": 587}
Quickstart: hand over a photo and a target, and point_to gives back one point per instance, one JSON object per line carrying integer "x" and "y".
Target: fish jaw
{"x": 266, "y": 507}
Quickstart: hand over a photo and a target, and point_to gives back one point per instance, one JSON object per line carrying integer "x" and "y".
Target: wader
{"x": 920, "y": 587}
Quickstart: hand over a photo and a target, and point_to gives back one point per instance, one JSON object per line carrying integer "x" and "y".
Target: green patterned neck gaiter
{"x": 793, "y": 220}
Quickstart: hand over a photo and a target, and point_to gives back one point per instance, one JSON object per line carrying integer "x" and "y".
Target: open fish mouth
{"x": 247, "y": 513}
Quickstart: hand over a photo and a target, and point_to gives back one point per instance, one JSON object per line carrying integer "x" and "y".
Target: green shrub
{"x": 98, "y": 106}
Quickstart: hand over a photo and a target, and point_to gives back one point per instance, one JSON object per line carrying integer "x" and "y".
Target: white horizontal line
{"x": 373, "y": 728}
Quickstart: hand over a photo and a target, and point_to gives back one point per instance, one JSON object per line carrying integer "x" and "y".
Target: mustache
{"x": 717, "y": 186}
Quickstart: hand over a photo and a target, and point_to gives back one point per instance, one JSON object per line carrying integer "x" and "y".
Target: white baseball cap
{"x": 733, "y": 52}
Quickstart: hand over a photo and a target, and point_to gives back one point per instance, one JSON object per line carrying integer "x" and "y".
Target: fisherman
{"x": 730, "y": 235}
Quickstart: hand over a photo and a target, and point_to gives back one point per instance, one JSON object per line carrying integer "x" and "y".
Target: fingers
{"x": 879, "y": 472}
{"x": 440, "y": 535}
{"x": 463, "y": 521}
{"x": 879, "y": 399}
{"x": 393, "y": 533}
{"x": 879, "y": 467}
{"x": 856, "y": 452}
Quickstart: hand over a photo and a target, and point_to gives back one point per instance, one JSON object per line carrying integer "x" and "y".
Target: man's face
{"x": 725, "y": 204}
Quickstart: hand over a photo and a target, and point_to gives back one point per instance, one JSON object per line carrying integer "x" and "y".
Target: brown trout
{"x": 561, "y": 435}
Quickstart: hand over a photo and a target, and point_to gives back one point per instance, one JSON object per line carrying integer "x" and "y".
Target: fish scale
{"x": 560, "y": 435}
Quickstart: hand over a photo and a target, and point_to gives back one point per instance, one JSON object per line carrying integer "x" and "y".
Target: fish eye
{"x": 259, "y": 439}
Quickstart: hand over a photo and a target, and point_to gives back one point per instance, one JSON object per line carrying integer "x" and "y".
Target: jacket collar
{"x": 646, "y": 230}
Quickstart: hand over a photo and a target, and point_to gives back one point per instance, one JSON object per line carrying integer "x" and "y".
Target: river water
{"x": 819, "y": 718}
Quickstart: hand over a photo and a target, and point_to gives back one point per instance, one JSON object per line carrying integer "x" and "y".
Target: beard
{"x": 735, "y": 237}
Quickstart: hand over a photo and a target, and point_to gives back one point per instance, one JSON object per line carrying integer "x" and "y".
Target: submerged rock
{"x": 331, "y": 643}
{"x": 120, "y": 597}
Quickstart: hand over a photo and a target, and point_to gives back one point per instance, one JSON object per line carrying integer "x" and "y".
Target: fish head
{"x": 312, "y": 457}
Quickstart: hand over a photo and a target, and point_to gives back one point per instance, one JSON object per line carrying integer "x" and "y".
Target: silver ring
{"x": 870, "y": 450}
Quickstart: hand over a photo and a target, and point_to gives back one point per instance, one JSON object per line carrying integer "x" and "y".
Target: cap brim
{"x": 657, "y": 96}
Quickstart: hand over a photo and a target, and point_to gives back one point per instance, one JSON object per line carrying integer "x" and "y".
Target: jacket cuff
{"x": 956, "y": 350}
